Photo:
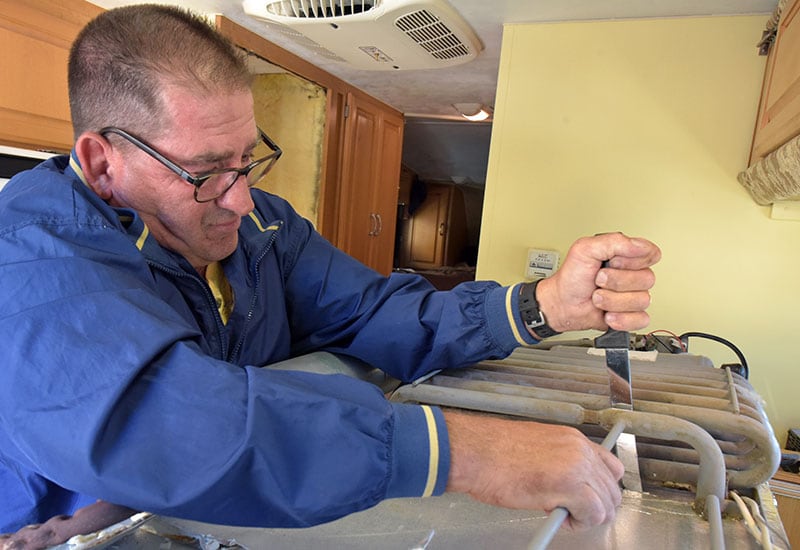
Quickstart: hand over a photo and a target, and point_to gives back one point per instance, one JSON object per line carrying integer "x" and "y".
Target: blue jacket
{"x": 119, "y": 380}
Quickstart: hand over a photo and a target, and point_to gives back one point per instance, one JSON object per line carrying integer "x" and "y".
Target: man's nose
{"x": 237, "y": 198}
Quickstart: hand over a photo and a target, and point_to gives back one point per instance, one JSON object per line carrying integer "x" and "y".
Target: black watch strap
{"x": 531, "y": 314}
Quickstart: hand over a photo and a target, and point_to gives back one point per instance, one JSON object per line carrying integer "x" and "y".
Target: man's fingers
{"x": 621, "y": 251}
{"x": 614, "y": 470}
{"x": 628, "y": 321}
{"x": 622, "y": 280}
{"x": 621, "y": 302}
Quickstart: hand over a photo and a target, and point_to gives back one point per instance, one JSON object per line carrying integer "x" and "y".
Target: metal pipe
{"x": 732, "y": 387}
{"x": 714, "y": 517}
{"x": 757, "y": 464}
{"x": 565, "y": 413}
{"x": 711, "y": 473}
{"x": 763, "y": 458}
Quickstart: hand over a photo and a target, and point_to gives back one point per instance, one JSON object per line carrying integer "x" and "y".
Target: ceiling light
{"x": 473, "y": 111}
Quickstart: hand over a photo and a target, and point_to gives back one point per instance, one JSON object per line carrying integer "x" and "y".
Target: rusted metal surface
{"x": 569, "y": 386}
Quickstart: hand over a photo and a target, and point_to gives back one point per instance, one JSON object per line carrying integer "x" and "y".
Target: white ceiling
{"x": 430, "y": 94}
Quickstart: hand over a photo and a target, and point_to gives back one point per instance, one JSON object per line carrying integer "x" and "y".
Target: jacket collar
{"x": 255, "y": 232}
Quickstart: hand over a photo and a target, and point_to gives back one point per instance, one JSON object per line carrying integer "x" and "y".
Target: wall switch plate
{"x": 541, "y": 263}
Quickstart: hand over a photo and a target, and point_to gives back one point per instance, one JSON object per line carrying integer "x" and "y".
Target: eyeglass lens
{"x": 219, "y": 183}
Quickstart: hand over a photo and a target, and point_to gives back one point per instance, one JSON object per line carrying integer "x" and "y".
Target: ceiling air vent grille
{"x": 431, "y": 33}
{"x": 321, "y": 8}
{"x": 396, "y": 34}
{"x": 303, "y": 40}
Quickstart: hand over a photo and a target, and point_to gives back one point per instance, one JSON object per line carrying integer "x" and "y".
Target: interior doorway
{"x": 441, "y": 198}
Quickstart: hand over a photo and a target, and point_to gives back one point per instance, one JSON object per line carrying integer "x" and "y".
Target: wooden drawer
{"x": 786, "y": 488}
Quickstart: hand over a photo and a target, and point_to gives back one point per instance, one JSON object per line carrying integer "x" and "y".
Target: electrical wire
{"x": 685, "y": 339}
{"x": 754, "y": 522}
{"x": 677, "y": 338}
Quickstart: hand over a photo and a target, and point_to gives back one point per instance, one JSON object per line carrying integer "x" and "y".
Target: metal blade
{"x": 619, "y": 378}
{"x": 627, "y": 454}
{"x": 618, "y": 366}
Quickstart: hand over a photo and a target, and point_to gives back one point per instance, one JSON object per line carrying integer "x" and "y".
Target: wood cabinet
{"x": 786, "y": 488}
{"x": 436, "y": 234}
{"x": 35, "y": 37}
{"x": 779, "y": 110}
{"x": 373, "y": 142}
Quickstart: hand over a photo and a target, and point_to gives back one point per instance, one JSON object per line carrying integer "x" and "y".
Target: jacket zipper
{"x": 209, "y": 298}
{"x": 256, "y": 285}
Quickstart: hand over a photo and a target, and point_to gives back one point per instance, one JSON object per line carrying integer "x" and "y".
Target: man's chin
{"x": 222, "y": 248}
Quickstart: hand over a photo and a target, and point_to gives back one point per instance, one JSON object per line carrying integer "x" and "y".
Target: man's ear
{"x": 96, "y": 157}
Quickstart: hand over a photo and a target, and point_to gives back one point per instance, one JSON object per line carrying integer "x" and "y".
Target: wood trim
{"x": 57, "y": 22}
{"x": 29, "y": 130}
{"x": 333, "y": 157}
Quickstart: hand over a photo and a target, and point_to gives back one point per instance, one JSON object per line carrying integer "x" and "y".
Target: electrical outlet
{"x": 541, "y": 263}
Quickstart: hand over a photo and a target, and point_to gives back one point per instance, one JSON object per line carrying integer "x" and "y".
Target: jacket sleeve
{"x": 104, "y": 391}
{"x": 401, "y": 323}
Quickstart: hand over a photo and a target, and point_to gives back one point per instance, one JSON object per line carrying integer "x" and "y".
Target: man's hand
{"x": 584, "y": 295}
{"x": 528, "y": 465}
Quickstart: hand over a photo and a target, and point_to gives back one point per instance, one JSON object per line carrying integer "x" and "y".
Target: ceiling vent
{"x": 373, "y": 34}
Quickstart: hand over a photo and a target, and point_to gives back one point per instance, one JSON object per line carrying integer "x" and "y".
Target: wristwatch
{"x": 531, "y": 314}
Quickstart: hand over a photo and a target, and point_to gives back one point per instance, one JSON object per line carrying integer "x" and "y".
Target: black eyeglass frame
{"x": 198, "y": 180}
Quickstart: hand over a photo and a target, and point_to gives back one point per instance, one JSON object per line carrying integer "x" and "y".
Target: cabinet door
{"x": 357, "y": 222}
{"x": 34, "y": 105}
{"x": 388, "y": 187}
{"x": 428, "y": 228}
{"x": 370, "y": 179}
{"x": 779, "y": 111}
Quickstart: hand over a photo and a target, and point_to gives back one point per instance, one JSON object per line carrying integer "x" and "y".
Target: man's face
{"x": 200, "y": 135}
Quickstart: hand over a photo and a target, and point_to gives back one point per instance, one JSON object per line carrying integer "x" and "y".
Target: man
{"x": 145, "y": 284}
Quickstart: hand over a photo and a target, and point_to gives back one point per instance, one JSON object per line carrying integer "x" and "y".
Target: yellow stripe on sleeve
{"x": 433, "y": 458}
{"x": 511, "y": 320}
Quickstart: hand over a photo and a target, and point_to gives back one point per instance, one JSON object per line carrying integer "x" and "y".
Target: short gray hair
{"x": 121, "y": 61}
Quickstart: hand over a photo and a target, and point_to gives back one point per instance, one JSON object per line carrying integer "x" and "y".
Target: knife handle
{"x": 613, "y": 339}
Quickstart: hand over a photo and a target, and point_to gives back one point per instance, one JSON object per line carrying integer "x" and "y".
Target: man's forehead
{"x": 208, "y": 127}
{"x": 205, "y": 152}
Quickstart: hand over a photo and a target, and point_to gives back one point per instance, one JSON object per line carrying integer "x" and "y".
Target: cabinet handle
{"x": 442, "y": 228}
{"x": 380, "y": 224}
{"x": 372, "y": 224}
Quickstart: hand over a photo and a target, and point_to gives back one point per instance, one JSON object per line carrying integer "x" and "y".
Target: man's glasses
{"x": 210, "y": 185}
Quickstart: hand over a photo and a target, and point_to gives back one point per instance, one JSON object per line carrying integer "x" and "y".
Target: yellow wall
{"x": 641, "y": 126}
{"x": 291, "y": 111}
